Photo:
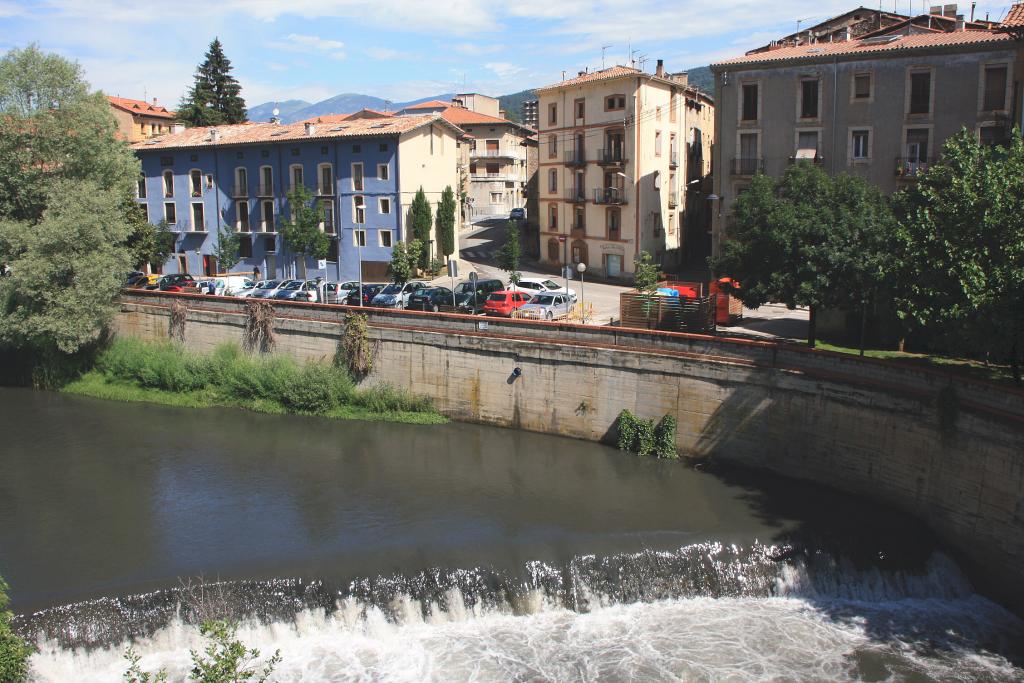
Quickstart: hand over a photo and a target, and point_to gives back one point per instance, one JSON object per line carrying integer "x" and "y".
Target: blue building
{"x": 363, "y": 172}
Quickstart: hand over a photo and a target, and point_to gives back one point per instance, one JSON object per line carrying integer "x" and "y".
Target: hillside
{"x": 339, "y": 104}
{"x": 702, "y": 79}
{"x": 263, "y": 112}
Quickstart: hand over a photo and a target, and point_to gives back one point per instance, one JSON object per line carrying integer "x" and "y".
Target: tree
{"x": 302, "y": 234}
{"x": 227, "y": 248}
{"x": 511, "y": 252}
{"x": 420, "y": 221}
{"x": 14, "y": 652}
{"x": 446, "y": 222}
{"x": 404, "y": 257}
{"x": 67, "y": 217}
{"x": 961, "y": 248}
{"x": 148, "y": 243}
{"x": 215, "y": 97}
{"x": 645, "y": 279}
{"x": 808, "y": 240}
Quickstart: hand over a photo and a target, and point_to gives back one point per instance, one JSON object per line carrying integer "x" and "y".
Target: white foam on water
{"x": 742, "y": 639}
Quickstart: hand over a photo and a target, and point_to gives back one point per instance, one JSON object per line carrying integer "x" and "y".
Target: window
{"x": 657, "y": 143}
{"x": 657, "y": 113}
{"x": 615, "y": 103}
{"x": 990, "y": 136}
{"x": 242, "y": 214}
{"x": 920, "y": 92}
{"x": 168, "y": 183}
{"x": 383, "y": 147}
{"x": 195, "y": 179}
{"x": 613, "y": 219}
{"x": 357, "y": 177}
{"x": 198, "y": 217}
{"x": 245, "y": 247}
{"x": 553, "y": 113}
{"x": 995, "y": 88}
{"x": 579, "y": 220}
{"x": 326, "y": 179}
{"x": 167, "y": 161}
{"x": 809, "y": 98}
{"x": 807, "y": 144}
{"x": 750, "y": 102}
{"x": 140, "y": 190}
{"x": 384, "y": 238}
{"x": 553, "y": 250}
{"x": 553, "y": 180}
{"x": 496, "y": 198}
{"x": 266, "y": 187}
{"x": 332, "y": 251}
{"x": 170, "y": 214}
{"x": 552, "y": 146}
{"x": 295, "y": 151}
{"x": 295, "y": 171}
{"x": 383, "y": 205}
{"x": 328, "y": 223}
{"x": 356, "y": 149}
{"x": 917, "y": 144}
{"x": 209, "y": 181}
{"x": 359, "y": 238}
{"x": 359, "y": 209}
{"x": 862, "y": 86}
{"x": 581, "y": 108}
{"x": 553, "y": 217}
{"x": 493, "y": 170}
{"x": 267, "y": 221}
{"x": 269, "y": 246}
{"x": 861, "y": 144}
{"x": 382, "y": 171}
{"x": 241, "y": 182}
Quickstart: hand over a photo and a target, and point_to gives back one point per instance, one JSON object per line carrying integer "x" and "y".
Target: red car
{"x": 504, "y": 302}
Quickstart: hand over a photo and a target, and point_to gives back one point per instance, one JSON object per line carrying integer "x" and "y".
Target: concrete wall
{"x": 856, "y": 424}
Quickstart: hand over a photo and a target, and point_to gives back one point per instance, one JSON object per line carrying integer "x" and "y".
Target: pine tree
{"x": 419, "y": 222}
{"x": 446, "y": 222}
{"x": 215, "y": 97}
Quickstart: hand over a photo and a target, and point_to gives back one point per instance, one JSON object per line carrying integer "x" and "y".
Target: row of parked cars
{"x": 536, "y": 298}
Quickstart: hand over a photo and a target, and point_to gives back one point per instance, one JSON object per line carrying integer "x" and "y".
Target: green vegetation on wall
{"x": 644, "y": 438}
{"x": 14, "y": 652}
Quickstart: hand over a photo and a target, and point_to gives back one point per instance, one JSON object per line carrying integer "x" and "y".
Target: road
{"x": 481, "y": 240}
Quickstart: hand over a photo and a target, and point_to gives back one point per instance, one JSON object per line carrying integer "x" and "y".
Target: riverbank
{"x": 167, "y": 374}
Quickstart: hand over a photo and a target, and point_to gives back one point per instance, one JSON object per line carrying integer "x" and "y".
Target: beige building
{"x": 879, "y": 106}
{"x": 138, "y": 120}
{"x": 616, "y": 147}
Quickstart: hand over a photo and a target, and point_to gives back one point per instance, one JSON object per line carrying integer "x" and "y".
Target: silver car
{"x": 397, "y": 295}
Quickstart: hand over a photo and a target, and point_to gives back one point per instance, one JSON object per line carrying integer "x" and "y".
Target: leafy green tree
{"x": 809, "y": 240}
{"x": 148, "y": 243}
{"x": 66, "y": 211}
{"x": 302, "y": 234}
{"x": 446, "y": 222}
{"x": 961, "y": 248}
{"x": 227, "y": 248}
{"x": 646, "y": 275}
{"x": 215, "y": 97}
{"x": 511, "y": 252}
{"x": 14, "y": 652}
{"x": 420, "y": 221}
{"x": 404, "y": 258}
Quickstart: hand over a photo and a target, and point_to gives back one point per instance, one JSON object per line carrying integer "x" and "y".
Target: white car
{"x": 269, "y": 289}
{"x": 546, "y": 306}
{"x": 232, "y": 285}
{"x": 247, "y": 291}
{"x": 396, "y": 295}
{"x": 536, "y": 285}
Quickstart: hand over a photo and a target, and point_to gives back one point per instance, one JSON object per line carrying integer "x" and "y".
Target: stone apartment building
{"x": 878, "y": 106}
{"x": 363, "y": 172}
{"x": 138, "y": 120}
{"x": 619, "y": 149}
{"x": 528, "y": 113}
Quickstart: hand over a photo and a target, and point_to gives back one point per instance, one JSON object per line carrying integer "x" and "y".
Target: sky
{"x": 397, "y": 49}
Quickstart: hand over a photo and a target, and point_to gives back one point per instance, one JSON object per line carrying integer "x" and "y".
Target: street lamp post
{"x": 582, "y": 268}
{"x": 359, "y": 251}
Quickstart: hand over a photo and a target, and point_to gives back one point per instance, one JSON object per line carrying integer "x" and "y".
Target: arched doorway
{"x": 579, "y": 252}
{"x": 553, "y": 250}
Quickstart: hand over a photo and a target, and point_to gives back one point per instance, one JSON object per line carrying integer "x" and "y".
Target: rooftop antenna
{"x": 603, "y": 48}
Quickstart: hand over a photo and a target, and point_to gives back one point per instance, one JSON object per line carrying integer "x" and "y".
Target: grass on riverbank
{"x": 165, "y": 373}
{"x": 958, "y": 366}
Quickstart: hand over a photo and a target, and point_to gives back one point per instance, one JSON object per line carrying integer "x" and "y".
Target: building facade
{"x": 363, "y": 173}
{"x": 879, "y": 106}
{"x": 528, "y": 113}
{"x": 615, "y": 147}
{"x": 138, "y": 120}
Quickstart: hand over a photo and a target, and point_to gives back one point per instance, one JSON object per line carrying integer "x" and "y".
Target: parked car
{"x": 397, "y": 295}
{"x": 269, "y": 289}
{"x": 297, "y": 290}
{"x": 466, "y": 302}
{"x": 177, "y": 282}
{"x": 337, "y": 292}
{"x": 248, "y": 291}
{"x": 143, "y": 281}
{"x": 546, "y": 307}
{"x": 517, "y": 214}
{"x": 536, "y": 285}
{"x": 230, "y": 285}
{"x": 430, "y": 299}
{"x": 504, "y": 302}
{"x": 369, "y": 291}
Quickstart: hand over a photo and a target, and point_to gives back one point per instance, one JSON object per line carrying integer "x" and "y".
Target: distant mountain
{"x": 702, "y": 79}
{"x": 344, "y": 103}
{"x": 513, "y": 104}
{"x": 264, "y": 111}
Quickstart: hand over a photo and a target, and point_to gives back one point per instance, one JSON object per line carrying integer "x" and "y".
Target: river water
{"x": 381, "y": 552}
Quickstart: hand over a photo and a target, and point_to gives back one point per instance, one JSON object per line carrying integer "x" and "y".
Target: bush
{"x": 643, "y": 438}
{"x": 317, "y": 388}
{"x": 665, "y": 438}
{"x": 626, "y": 427}
{"x": 386, "y": 398}
{"x": 14, "y": 652}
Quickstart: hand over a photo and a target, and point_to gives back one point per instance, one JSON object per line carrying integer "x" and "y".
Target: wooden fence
{"x": 673, "y": 313}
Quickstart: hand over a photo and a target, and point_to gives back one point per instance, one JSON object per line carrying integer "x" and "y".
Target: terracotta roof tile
{"x": 338, "y": 118}
{"x": 466, "y": 117}
{"x": 139, "y": 107}
{"x": 1015, "y": 17}
{"x": 603, "y": 74}
{"x": 432, "y": 104}
{"x": 872, "y": 47}
{"x": 248, "y": 133}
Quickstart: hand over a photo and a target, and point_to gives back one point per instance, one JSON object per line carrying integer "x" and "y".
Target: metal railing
{"x": 322, "y": 191}
{"x": 673, "y": 158}
{"x": 609, "y": 195}
{"x": 615, "y": 155}
{"x": 240, "y": 191}
{"x": 576, "y": 157}
{"x": 816, "y": 160}
{"x": 672, "y": 198}
{"x": 743, "y": 166}
{"x": 909, "y": 167}
{"x": 264, "y": 190}
{"x": 507, "y": 152}
{"x": 576, "y": 195}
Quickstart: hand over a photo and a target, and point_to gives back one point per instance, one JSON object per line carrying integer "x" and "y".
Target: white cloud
{"x": 504, "y": 69}
{"x": 387, "y": 54}
{"x": 297, "y": 42}
{"x": 476, "y": 50}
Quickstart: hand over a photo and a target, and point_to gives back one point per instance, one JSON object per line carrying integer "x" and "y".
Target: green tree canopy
{"x": 14, "y": 652}
{"x": 226, "y": 250}
{"x": 302, "y": 234}
{"x": 511, "y": 252}
{"x": 215, "y": 96}
{"x": 404, "y": 258}
{"x": 446, "y": 222}
{"x": 420, "y": 221}
{"x": 961, "y": 247}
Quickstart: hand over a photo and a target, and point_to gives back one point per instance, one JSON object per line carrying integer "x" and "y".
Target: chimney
{"x": 177, "y": 128}
{"x": 154, "y": 102}
{"x": 214, "y": 135}
{"x": 581, "y": 73}
{"x": 660, "y": 70}
{"x": 959, "y": 22}
{"x": 310, "y": 128}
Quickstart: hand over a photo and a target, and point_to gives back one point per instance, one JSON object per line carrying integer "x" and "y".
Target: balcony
{"x": 501, "y": 153}
{"x": 910, "y": 168}
{"x": 240, "y": 191}
{"x": 576, "y": 195}
{"x": 673, "y": 158}
{"x": 609, "y": 195}
{"x": 325, "y": 190}
{"x": 672, "y": 198}
{"x": 816, "y": 160}
{"x": 613, "y": 156}
{"x": 743, "y": 167}
{"x": 496, "y": 177}
{"x": 576, "y": 157}
{"x": 264, "y": 190}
